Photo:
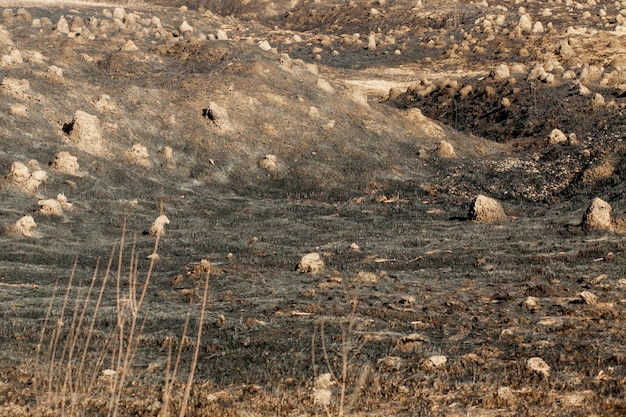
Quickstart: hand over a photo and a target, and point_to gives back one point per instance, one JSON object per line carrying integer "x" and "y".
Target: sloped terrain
{"x": 361, "y": 132}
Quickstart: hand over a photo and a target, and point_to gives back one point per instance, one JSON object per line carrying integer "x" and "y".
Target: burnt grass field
{"x": 328, "y": 143}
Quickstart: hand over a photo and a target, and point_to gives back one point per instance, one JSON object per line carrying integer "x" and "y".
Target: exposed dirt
{"x": 318, "y": 141}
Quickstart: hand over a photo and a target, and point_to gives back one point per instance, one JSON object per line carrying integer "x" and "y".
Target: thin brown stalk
{"x": 45, "y": 322}
{"x": 95, "y": 313}
{"x": 181, "y": 345}
{"x": 131, "y": 335}
{"x": 57, "y": 331}
{"x": 73, "y": 330}
{"x": 325, "y": 352}
{"x": 77, "y": 332}
{"x": 165, "y": 395}
{"x": 346, "y": 335}
{"x": 194, "y": 362}
{"x": 313, "y": 352}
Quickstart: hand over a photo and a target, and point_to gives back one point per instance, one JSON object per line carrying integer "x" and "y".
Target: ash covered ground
{"x": 360, "y": 131}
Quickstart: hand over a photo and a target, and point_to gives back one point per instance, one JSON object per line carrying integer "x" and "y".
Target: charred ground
{"x": 358, "y": 181}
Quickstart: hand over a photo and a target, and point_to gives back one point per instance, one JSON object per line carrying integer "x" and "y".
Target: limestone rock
{"x": 50, "y": 207}
{"x": 129, "y": 46}
{"x": 269, "y": 163}
{"x": 138, "y": 155}
{"x": 16, "y": 88}
{"x": 23, "y": 227}
{"x": 557, "y": 136}
{"x": 312, "y": 263}
{"x": 324, "y": 85}
{"x": 539, "y": 366}
{"x": 85, "y": 132}
{"x": 18, "y": 110}
{"x": 598, "y": 216}
{"x": 265, "y": 45}
{"x": 446, "y": 150}
{"x": 65, "y": 163}
{"x": 158, "y": 227}
{"x": 487, "y": 210}
{"x": 185, "y": 27}
{"x": 218, "y": 115}
{"x": 501, "y": 72}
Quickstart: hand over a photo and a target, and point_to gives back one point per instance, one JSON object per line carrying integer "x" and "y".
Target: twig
{"x": 194, "y": 362}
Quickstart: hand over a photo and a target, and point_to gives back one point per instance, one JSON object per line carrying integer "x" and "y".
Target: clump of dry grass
{"x": 82, "y": 368}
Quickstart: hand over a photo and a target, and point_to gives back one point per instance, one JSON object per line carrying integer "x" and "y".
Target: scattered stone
{"x": 50, "y": 207}
{"x": 18, "y": 110}
{"x": 324, "y": 85}
{"x": 105, "y": 104}
{"x": 507, "y": 395}
{"x": 311, "y": 263}
{"x": 265, "y": 45}
{"x": 55, "y": 73}
{"x": 598, "y": 216}
{"x": 18, "y": 175}
{"x": 138, "y": 155}
{"x": 65, "y": 163}
{"x": 391, "y": 362}
{"x": 427, "y": 126}
{"x": 557, "y": 136}
{"x": 158, "y": 227}
{"x": 23, "y": 227}
{"x": 539, "y": 366}
{"x": 531, "y": 303}
{"x": 62, "y": 26}
{"x": 597, "y": 100}
{"x": 322, "y": 393}
{"x": 221, "y": 35}
{"x": 119, "y": 13}
{"x": 85, "y": 132}
{"x": 16, "y": 88}
{"x": 22, "y": 15}
{"x": 588, "y": 298}
{"x": 269, "y": 163}
{"x": 218, "y": 115}
{"x": 501, "y": 72}
{"x": 21, "y": 178}
{"x": 34, "y": 181}
{"x": 445, "y": 149}
{"x": 434, "y": 362}
{"x": 129, "y": 46}
{"x": 525, "y": 24}
{"x": 185, "y": 27}
{"x": 364, "y": 276}
{"x": 487, "y": 210}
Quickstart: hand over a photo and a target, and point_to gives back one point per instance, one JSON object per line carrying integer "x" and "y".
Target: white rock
{"x": 588, "y": 297}
{"x": 311, "y": 262}
{"x": 185, "y": 27}
{"x": 539, "y": 366}
{"x": 438, "y": 360}
{"x": 525, "y": 24}
{"x": 598, "y": 216}
{"x": 269, "y": 163}
{"x": 487, "y": 210}
{"x": 119, "y": 13}
{"x": 23, "y": 227}
{"x": 264, "y": 45}
{"x": 445, "y": 149}
{"x": 158, "y": 227}
{"x": 557, "y": 136}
